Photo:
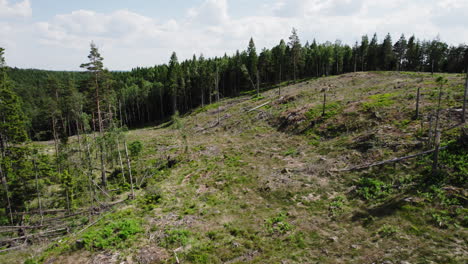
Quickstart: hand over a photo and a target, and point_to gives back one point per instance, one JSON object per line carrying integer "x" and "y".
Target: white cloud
{"x": 21, "y": 9}
{"x": 128, "y": 39}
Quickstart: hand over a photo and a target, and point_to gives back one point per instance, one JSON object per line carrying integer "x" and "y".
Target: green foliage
{"x": 293, "y": 152}
{"x": 115, "y": 233}
{"x": 336, "y": 206}
{"x": 388, "y": 231}
{"x": 378, "y": 101}
{"x": 370, "y": 189}
{"x": 441, "y": 219}
{"x": 135, "y": 148}
{"x": 455, "y": 160}
{"x": 331, "y": 110}
{"x": 176, "y": 238}
{"x": 152, "y": 197}
{"x": 278, "y": 224}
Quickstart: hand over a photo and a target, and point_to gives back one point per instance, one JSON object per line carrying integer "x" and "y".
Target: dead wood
{"x": 387, "y": 161}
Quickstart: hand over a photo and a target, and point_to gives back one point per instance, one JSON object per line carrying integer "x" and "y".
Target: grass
{"x": 246, "y": 192}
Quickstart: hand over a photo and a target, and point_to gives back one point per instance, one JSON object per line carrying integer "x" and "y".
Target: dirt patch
{"x": 152, "y": 255}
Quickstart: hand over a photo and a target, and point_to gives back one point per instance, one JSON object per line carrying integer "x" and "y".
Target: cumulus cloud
{"x": 128, "y": 39}
{"x": 20, "y": 9}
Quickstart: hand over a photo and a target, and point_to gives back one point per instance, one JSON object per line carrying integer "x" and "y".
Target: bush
{"x": 135, "y": 148}
{"x": 114, "y": 233}
{"x": 153, "y": 196}
{"x": 278, "y": 224}
{"x": 369, "y": 188}
{"x": 387, "y": 231}
{"x": 331, "y": 109}
{"x": 336, "y": 206}
{"x": 176, "y": 238}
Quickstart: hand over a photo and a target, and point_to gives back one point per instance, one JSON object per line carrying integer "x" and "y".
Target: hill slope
{"x": 270, "y": 184}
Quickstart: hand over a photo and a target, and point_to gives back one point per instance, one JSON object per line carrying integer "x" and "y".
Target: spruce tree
{"x": 12, "y": 131}
{"x": 295, "y": 45}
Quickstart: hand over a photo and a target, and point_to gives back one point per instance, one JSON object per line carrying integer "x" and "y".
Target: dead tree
{"x": 7, "y": 193}
{"x": 465, "y": 98}
{"x": 325, "y": 90}
{"x": 37, "y": 190}
{"x": 120, "y": 161}
{"x": 129, "y": 169}
{"x": 418, "y": 97}
{"x": 429, "y": 135}
{"x": 435, "y": 159}
{"x": 441, "y": 81}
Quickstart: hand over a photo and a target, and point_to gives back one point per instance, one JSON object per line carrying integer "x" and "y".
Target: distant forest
{"x": 58, "y": 104}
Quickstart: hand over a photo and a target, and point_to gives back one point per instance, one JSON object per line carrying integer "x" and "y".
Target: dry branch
{"x": 388, "y": 161}
{"x": 255, "y": 108}
{"x": 12, "y": 248}
{"x": 41, "y": 234}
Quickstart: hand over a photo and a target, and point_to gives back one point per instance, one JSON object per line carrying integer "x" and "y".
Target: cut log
{"x": 255, "y": 108}
{"x": 388, "y": 161}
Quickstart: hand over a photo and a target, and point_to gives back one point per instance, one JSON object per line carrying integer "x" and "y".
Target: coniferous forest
{"x": 151, "y": 95}
{"x": 193, "y": 150}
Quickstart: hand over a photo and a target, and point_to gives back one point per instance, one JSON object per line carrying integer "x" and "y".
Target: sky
{"x": 55, "y": 34}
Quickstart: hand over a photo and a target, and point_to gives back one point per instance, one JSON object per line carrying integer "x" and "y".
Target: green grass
{"x": 378, "y": 101}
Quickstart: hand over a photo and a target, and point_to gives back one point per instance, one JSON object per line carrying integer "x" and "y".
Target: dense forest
{"x": 65, "y": 103}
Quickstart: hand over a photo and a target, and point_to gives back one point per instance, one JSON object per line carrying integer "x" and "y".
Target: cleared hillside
{"x": 275, "y": 184}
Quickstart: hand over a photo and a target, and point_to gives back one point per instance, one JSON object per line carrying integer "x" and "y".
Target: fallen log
{"x": 52, "y": 211}
{"x": 257, "y": 107}
{"x": 41, "y": 234}
{"x": 387, "y": 161}
{"x": 23, "y": 227}
{"x": 12, "y": 248}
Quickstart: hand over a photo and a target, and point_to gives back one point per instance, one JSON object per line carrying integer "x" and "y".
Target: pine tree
{"x": 373, "y": 54}
{"x": 363, "y": 52}
{"x": 173, "y": 79}
{"x": 386, "y": 54}
{"x": 12, "y": 131}
{"x": 400, "y": 51}
{"x": 295, "y": 45}
{"x": 95, "y": 67}
{"x": 252, "y": 64}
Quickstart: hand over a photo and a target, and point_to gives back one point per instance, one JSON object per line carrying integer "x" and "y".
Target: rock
{"x": 334, "y": 239}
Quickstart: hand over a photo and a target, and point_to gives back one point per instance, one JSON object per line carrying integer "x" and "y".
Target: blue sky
{"x": 53, "y": 34}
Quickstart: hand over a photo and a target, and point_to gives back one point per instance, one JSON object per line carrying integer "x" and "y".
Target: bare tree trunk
{"x": 258, "y": 84}
{"x": 465, "y": 98}
{"x": 7, "y": 193}
{"x": 418, "y": 96}
{"x": 103, "y": 169}
{"x": 217, "y": 93}
{"x": 54, "y": 132}
{"x": 438, "y": 112}
{"x": 129, "y": 169}
{"x": 37, "y": 190}
{"x": 80, "y": 149}
{"x": 279, "y": 85}
{"x": 90, "y": 174}
{"x": 121, "y": 163}
{"x": 429, "y": 135}
{"x": 435, "y": 160}
{"x": 324, "y": 101}
{"x": 432, "y": 67}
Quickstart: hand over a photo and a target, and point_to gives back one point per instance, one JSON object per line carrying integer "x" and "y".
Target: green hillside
{"x": 233, "y": 182}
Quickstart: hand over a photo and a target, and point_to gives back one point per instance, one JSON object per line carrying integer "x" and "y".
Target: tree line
{"x": 152, "y": 94}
